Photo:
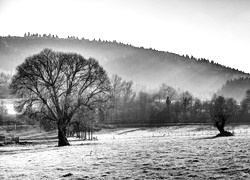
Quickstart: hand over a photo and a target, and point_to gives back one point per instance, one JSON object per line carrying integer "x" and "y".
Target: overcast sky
{"x": 218, "y": 30}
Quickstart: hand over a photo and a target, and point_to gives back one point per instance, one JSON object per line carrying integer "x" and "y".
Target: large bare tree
{"x": 55, "y": 85}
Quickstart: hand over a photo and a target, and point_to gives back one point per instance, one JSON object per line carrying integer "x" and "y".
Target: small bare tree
{"x": 56, "y": 85}
{"x": 221, "y": 111}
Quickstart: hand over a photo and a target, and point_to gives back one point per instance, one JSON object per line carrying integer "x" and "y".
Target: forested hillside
{"x": 235, "y": 88}
{"x": 146, "y": 67}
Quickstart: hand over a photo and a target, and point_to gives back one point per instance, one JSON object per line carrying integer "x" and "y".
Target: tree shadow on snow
{"x": 226, "y": 134}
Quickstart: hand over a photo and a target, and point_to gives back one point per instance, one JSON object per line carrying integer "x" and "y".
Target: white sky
{"x": 218, "y": 30}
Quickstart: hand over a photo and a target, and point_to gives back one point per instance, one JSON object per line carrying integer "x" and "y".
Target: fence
{"x": 15, "y": 127}
{"x": 9, "y": 139}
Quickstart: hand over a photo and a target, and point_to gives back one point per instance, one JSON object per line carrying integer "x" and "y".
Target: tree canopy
{"x": 221, "y": 111}
{"x": 55, "y": 85}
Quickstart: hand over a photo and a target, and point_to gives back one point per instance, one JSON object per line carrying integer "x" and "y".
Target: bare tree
{"x": 167, "y": 91}
{"x": 196, "y": 110}
{"x": 121, "y": 99}
{"x": 221, "y": 111}
{"x": 128, "y": 97}
{"x": 84, "y": 121}
{"x": 143, "y": 100}
{"x": 56, "y": 85}
{"x": 115, "y": 94}
{"x": 176, "y": 107}
{"x": 186, "y": 100}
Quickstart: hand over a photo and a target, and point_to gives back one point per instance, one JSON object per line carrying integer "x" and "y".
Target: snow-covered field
{"x": 134, "y": 153}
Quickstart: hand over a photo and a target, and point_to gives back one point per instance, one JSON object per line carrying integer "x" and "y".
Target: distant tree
{"x": 85, "y": 120}
{"x": 221, "y": 111}
{"x": 176, "y": 107}
{"x": 115, "y": 95}
{"x": 3, "y": 112}
{"x": 3, "y": 108}
{"x": 245, "y": 103}
{"x": 168, "y": 103}
{"x": 244, "y": 113}
{"x": 167, "y": 91}
{"x": 186, "y": 99}
{"x": 196, "y": 110}
{"x": 143, "y": 102}
{"x": 128, "y": 96}
{"x": 5, "y": 78}
{"x": 235, "y": 88}
{"x": 55, "y": 85}
{"x": 120, "y": 107}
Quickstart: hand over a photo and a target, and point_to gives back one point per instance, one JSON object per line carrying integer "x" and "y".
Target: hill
{"x": 144, "y": 66}
{"x": 235, "y": 88}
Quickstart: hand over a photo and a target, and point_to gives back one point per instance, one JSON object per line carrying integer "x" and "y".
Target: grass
{"x": 131, "y": 153}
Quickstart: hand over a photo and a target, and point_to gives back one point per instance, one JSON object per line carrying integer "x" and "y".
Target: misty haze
{"x": 124, "y": 89}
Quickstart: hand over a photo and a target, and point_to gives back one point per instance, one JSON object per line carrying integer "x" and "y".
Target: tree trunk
{"x": 62, "y": 139}
{"x": 89, "y": 133}
{"x": 220, "y": 127}
{"x": 78, "y": 131}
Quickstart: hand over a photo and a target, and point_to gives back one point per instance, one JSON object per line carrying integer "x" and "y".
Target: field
{"x": 186, "y": 152}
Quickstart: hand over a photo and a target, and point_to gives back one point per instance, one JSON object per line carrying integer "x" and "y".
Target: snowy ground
{"x": 134, "y": 153}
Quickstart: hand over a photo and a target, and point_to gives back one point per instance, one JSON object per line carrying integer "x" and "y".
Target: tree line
{"x": 64, "y": 90}
{"x": 167, "y": 105}
{"x": 236, "y": 88}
